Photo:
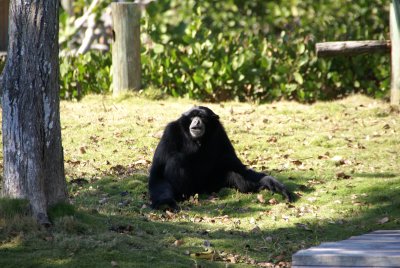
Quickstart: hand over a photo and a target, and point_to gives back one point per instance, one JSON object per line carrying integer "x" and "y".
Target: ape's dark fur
{"x": 185, "y": 164}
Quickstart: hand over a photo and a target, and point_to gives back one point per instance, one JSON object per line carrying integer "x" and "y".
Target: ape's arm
{"x": 160, "y": 189}
{"x": 250, "y": 180}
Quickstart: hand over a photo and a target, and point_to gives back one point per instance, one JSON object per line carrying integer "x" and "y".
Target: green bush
{"x": 247, "y": 50}
{"x": 83, "y": 74}
{"x": 262, "y": 50}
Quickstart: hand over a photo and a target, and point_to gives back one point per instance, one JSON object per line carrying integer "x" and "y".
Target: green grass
{"x": 341, "y": 158}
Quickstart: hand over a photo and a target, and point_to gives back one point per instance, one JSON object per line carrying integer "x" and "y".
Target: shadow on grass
{"x": 112, "y": 225}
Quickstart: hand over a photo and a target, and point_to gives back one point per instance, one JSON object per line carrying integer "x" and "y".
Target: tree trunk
{"x": 32, "y": 149}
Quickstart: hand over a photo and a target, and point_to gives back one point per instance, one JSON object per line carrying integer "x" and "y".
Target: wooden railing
{"x": 351, "y": 48}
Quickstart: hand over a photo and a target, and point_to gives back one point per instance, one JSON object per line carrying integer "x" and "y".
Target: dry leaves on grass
{"x": 121, "y": 170}
{"x": 179, "y": 242}
{"x": 339, "y": 160}
{"x": 343, "y": 176}
{"x": 214, "y": 255}
{"x": 260, "y": 198}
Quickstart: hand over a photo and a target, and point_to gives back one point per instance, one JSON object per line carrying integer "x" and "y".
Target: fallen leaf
{"x": 312, "y": 199}
{"x": 170, "y": 214}
{"x": 303, "y": 187}
{"x": 212, "y": 199}
{"x": 124, "y": 193}
{"x": 194, "y": 199}
{"x": 273, "y": 201}
{"x": 260, "y": 198}
{"x": 117, "y": 134}
{"x": 124, "y": 203}
{"x": 268, "y": 239}
{"x": 82, "y": 149}
{"x": 252, "y": 220}
{"x": 231, "y": 259}
{"x": 296, "y": 162}
{"x": 121, "y": 228}
{"x": 342, "y": 175}
{"x": 73, "y": 162}
{"x": 256, "y": 230}
{"x": 48, "y": 238}
{"x": 207, "y": 243}
{"x": 207, "y": 255}
{"x": 103, "y": 201}
{"x": 178, "y": 243}
{"x": 94, "y": 138}
{"x": 79, "y": 181}
{"x": 303, "y": 226}
{"x": 383, "y": 220}
{"x": 279, "y": 257}
{"x": 141, "y": 162}
{"x": 360, "y": 146}
{"x": 338, "y": 160}
{"x": 266, "y": 264}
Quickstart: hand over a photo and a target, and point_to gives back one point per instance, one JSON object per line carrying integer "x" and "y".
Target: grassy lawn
{"x": 341, "y": 158}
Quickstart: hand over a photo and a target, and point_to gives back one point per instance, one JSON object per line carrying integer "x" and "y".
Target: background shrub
{"x": 262, "y": 50}
{"x": 248, "y": 50}
{"x": 85, "y": 73}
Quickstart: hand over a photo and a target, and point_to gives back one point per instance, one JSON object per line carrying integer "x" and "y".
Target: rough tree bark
{"x": 32, "y": 149}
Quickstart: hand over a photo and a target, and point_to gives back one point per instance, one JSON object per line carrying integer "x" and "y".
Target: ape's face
{"x": 199, "y": 118}
{"x": 197, "y": 127}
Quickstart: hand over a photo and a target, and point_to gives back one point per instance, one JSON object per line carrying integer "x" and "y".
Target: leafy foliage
{"x": 262, "y": 50}
{"x": 246, "y": 50}
{"x": 83, "y": 74}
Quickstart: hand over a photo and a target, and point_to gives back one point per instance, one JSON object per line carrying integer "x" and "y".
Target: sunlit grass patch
{"x": 340, "y": 158}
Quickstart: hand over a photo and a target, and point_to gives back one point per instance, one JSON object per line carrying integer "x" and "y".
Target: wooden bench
{"x": 376, "y": 249}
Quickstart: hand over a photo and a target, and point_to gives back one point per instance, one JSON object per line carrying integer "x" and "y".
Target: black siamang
{"x": 195, "y": 156}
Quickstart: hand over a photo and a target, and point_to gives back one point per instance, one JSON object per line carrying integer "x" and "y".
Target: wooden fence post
{"x": 126, "y": 65}
{"x": 395, "y": 59}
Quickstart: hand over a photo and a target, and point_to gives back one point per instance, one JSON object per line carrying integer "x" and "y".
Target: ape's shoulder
{"x": 172, "y": 138}
{"x": 172, "y": 131}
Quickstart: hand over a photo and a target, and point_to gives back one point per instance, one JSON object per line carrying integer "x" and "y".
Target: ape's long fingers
{"x": 276, "y": 186}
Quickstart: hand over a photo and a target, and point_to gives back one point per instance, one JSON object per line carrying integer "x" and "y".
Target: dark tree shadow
{"x": 133, "y": 235}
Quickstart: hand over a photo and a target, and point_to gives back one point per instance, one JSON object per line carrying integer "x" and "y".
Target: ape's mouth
{"x": 197, "y": 131}
{"x": 196, "y": 128}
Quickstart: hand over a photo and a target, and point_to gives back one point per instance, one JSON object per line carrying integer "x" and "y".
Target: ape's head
{"x": 198, "y": 120}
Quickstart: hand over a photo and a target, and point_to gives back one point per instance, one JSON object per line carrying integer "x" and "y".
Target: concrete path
{"x": 376, "y": 249}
